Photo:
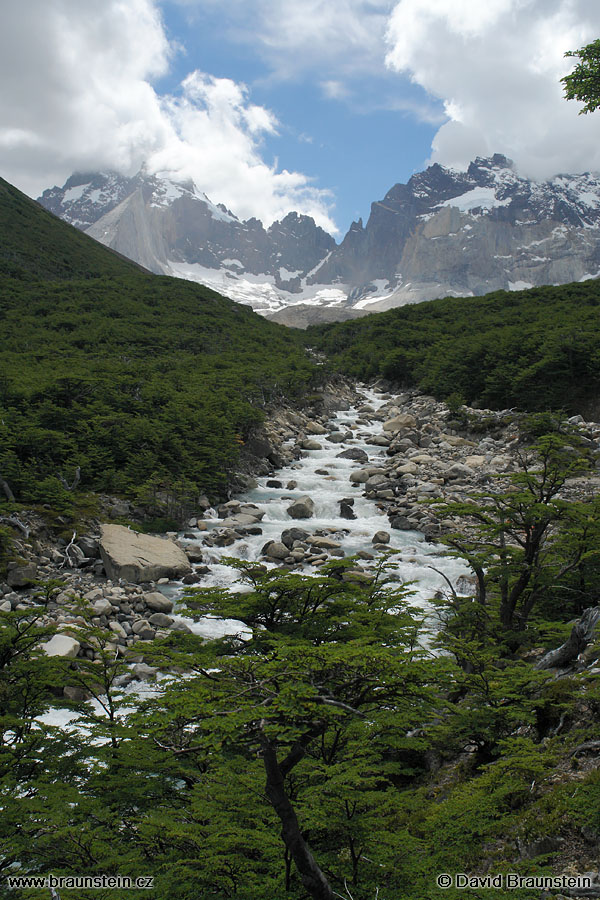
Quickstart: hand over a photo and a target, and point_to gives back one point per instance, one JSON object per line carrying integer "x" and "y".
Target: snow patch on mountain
{"x": 74, "y": 193}
{"x": 478, "y": 198}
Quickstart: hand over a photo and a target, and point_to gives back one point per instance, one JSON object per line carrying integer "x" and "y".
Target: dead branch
{"x": 6, "y": 489}
{"x": 588, "y": 747}
{"x": 76, "y": 480}
{"x": 16, "y": 523}
{"x": 581, "y": 635}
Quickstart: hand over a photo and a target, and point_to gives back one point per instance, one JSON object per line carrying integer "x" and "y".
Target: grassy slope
{"x": 34, "y": 244}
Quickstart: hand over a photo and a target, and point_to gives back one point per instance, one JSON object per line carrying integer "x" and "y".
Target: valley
{"x": 281, "y": 612}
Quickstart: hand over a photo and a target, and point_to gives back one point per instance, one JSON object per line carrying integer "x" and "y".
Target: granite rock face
{"x": 140, "y": 557}
{"x": 443, "y": 233}
{"x": 450, "y": 233}
{"x": 173, "y": 228}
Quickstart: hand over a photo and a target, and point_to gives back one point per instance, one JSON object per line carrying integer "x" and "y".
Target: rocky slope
{"x": 444, "y": 233}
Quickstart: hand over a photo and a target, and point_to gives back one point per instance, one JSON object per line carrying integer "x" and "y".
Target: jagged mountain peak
{"x": 444, "y": 232}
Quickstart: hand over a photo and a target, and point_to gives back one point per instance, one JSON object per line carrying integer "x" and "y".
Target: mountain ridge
{"x": 443, "y": 233}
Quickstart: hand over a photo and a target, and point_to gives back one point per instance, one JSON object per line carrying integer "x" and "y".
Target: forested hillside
{"x": 536, "y": 349}
{"x": 140, "y": 381}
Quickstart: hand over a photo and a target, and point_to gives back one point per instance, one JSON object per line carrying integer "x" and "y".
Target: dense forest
{"x": 141, "y": 382}
{"x": 537, "y": 349}
{"x": 337, "y": 754}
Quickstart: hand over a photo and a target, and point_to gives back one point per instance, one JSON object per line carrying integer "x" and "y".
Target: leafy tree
{"x": 583, "y": 83}
{"x": 321, "y": 699}
{"x": 512, "y": 537}
{"x": 535, "y": 350}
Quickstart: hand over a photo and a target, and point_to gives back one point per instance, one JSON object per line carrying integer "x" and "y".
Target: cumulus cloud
{"x": 78, "y": 94}
{"x": 215, "y": 139}
{"x": 496, "y": 66}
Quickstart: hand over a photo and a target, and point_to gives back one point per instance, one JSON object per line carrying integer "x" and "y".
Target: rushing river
{"x": 413, "y": 563}
{"x": 416, "y": 556}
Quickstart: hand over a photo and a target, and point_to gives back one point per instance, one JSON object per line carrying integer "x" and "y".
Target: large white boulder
{"x": 140, "y": 557}
{"x": 61, "y": 645}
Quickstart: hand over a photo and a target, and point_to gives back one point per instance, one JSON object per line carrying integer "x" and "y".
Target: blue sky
{"x": 357, "y": 145}
{"x": 318, "y": 106}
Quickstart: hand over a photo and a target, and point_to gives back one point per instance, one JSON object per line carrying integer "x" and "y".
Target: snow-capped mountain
{"x": 449, "y": 233}
{"x": 173, "y": 228}
{"x": 444, "y": 233}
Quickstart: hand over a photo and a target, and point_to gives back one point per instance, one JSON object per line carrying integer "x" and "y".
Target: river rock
{"x": 178, "y": 625}
{"x": 276, "y": 550}
{"x": 315, "y": 428}
{"x": 158, "y": 602}
{"x": 191, "y": 579}
{"x": 401, "y": 523}
{"x": 194, "y": 552}
{"x": 379, "y": 440}
{"x": 353, "y": 453}
{"x": 102, "y": 607}
{"x": 240, "y": 521}
{"x": 475, "y": 462}
{"x": 291, "y": 535}
{"x": 302, "y": 508}
{"x": 381, "y": 537}
{"x": 143, "y": 629}
{"x": 409, "y": 468}
{"x": 375, "y": 481}
{"x": 160, "y": 620}
{"x": 323, "y": 543}
{"x": 346, "y": 511}
{"x": 118, "y": 629}
{"x": 140, "y": 557}
{"x": 309, "y": 444}
{"x": 22, "y": 576}
{"x": 336, "y": 437}
{"x": 397, "y": 423}
{"x": 144, "y": 672}
{"x": 89, "y": 546}
{"x": 459, "y": 470}
{"x": 62, "y": 645}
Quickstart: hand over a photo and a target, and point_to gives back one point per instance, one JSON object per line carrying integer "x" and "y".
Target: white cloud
{"x": 215, "y": 139}
{"x": 496, "y": 65}
{"x": 333, "y": 39}
{"x": 334, "y": 90}
{"x": 77, "y": 94}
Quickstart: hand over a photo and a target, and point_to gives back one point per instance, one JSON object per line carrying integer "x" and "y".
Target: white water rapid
{"x": 412, "y": 564}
